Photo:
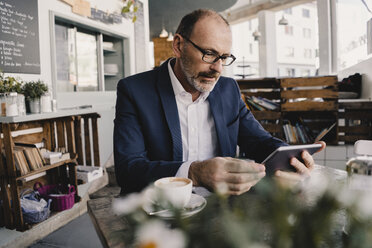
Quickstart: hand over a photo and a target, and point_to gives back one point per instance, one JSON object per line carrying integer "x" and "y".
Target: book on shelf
{"x": 266, "y": 103}
{"x": 296, "y": 133}
{"x": 300, "y": 133}
{"x": 260, "y": 103}
{"x": 324, "y": 132}
{"x": 253, "y": 105}
{"x": 32, "y": 156}
{"x": 21, "y": 161}
{"x": 54, "y": 157}
{"x": 245, "y": 102}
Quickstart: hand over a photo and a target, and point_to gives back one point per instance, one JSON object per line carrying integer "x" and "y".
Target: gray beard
{"x": 192, "y": 81}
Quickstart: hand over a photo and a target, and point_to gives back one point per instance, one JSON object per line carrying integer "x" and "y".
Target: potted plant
{"x": 10, "y": 95}
{"x": 33, "y": 90}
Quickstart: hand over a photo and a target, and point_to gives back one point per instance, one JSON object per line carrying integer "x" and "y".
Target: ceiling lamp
{"x": 283, "y": 21}
{"x": 256, "y": 35}
{"x": 170, "y": 37}
{"x": 163, "y": 33}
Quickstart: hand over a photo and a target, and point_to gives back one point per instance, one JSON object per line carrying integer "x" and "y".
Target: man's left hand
{"x": 303, "y": 170}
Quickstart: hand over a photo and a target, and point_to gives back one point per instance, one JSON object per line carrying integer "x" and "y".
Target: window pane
{"x": 113, "y": 61}
{"x": 352, "y": 17}
{"x": 86, "y": 45}
{"x": 65, "y": 58}
{"x": 297, "y": 42}
{"x": 245, "y": 49}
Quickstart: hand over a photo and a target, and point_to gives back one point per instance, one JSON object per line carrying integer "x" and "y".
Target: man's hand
{"x": 303, "y": 170}
{"x": 239, "y": 175}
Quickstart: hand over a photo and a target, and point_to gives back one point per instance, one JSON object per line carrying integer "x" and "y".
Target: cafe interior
{"x": 304, "y": 71}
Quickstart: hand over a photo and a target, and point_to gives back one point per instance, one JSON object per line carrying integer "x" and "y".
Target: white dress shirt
{"x": 199, "y": 138}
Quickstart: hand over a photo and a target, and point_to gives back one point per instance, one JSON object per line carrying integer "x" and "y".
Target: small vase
{"x": 21, "y": 104}
{"x": 34, "y": 105}
{"x": 11, "y": 104}
{"x": 46, "y": 103}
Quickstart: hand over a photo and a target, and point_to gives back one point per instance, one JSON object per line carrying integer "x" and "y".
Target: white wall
{"x": 104, "y": 102}
{"x": 363, "y": 68}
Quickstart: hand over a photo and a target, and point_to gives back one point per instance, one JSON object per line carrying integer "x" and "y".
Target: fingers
{"x": 323, "y": 145}
{"x": 238, "y": 174}
{"x": 289, "y": 176}
{"x": 288, "y": 179}
{"x": 306, "y": 167}
{"x": 241, "y": 166}
{"x": 238, "y": 189}
{"x": 241, "y": 178}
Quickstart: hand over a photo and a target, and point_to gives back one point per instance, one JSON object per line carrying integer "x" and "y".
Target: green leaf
{"x": 125, "y": 10}
{"x": 134, "y": 19}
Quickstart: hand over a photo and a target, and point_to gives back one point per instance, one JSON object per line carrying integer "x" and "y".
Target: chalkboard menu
{"x": 19, "y": 36}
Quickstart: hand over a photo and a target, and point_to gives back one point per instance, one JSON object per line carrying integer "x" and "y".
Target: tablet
{"x": 279, "y": 159}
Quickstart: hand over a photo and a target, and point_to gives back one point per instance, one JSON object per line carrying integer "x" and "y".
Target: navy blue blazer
{"x": 147, "y": 134}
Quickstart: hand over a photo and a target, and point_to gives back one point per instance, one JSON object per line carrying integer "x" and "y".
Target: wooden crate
{"x": 313, "y": 100}
{"x": 62, "y": 132}
{"x": 268, "y": 88}
{"x": 355, "y": 121}
{"x": 303, "y": 94}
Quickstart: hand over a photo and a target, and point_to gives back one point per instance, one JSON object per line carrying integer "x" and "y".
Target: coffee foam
{"x": 173, "y": 182}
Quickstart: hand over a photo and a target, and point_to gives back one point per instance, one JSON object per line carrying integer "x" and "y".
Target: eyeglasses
{"x": 211, "y": 57}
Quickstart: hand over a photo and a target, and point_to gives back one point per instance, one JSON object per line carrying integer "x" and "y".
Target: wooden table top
{"x": 110, "y": 228}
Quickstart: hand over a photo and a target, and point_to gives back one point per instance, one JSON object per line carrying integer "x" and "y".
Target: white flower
{"x": 155, "y": 234}
{"x": 128, "y": 204}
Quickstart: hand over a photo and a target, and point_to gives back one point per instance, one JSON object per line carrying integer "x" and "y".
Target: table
{"x": 113, "y": 231}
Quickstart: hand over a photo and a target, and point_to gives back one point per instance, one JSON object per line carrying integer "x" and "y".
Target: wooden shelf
{"x": 56, "y": 130}
{"x": 45, "y": 168}
{"x": 355, "y": 121}
{"x": 314, "y": 99}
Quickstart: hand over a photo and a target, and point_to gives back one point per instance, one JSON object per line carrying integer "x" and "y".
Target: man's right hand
{"x": 239, "y": 175}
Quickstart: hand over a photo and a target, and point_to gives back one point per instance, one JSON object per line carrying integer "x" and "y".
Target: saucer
{"x": 196, "y": 204}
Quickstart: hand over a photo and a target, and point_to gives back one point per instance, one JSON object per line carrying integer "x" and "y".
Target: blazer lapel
{"x": 215, "y": 102}
{"x": 168, "y": 101}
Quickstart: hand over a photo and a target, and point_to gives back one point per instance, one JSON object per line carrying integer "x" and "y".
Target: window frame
{"x": 100, "y": 30}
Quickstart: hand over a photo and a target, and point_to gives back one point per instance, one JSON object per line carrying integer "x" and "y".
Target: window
{"x": 79, "y": 64}
{"x": 288, "y": 30}
{"x": 76, "y": 59}
{"x": 305, "y": 72}
{"x": 245, "y": 49}
{"x": 291, "y": 72}
{"x": 351, "y": 35}
{"x": 306, "y": 32}
{"x": 307, "y": 53}
{"x": 297, "y": 51}
{"x": 316, "y": 53}
{"x": 289, "y": 52}
{"x": 288, "y": 11}
{"x": 306, "y": 13}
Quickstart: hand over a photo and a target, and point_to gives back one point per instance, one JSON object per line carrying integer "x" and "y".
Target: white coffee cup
{"x": 173, "y": 190}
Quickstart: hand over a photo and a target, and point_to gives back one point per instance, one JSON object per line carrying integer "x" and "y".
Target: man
{"x": 185, "y": 119}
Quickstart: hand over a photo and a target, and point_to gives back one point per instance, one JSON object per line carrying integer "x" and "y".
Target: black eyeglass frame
{"x": 204, "y": 52}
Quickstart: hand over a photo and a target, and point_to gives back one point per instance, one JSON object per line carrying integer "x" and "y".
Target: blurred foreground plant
{"x": 271, "y": 216}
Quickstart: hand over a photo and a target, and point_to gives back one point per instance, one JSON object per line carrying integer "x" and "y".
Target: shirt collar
{"x": 177, "y": 86}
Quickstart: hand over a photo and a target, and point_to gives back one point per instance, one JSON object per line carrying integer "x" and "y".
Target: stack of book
{"x": 260, "y": 103}
{"x": 27, "y": 159}
{"x": 301, "y": 134}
